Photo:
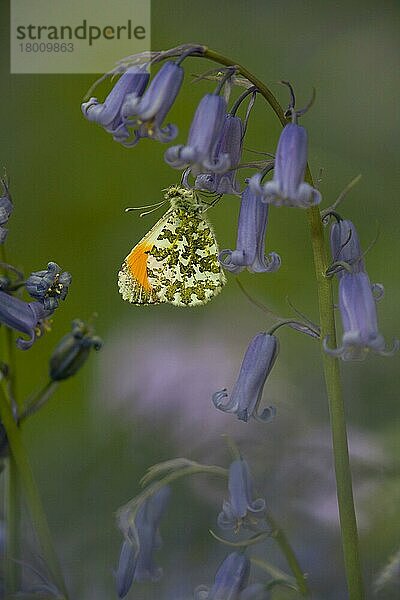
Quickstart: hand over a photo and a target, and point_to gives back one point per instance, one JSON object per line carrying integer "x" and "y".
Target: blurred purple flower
{"x": 6, "y": 208}
{"x": 146, "y": 113}
{"x": 231, "y": 579}
{"x": 130, "y": 85}
{"x": 49, "y": 286}
{"x": 25, "y": 317}
{"x": 250, "y": 244}
{"x": 241, "y": 509}
{"x": 246, "y": 395}
{"x": 288, "y": 187}
{"x": 204, "y": 135}
{"x": 136, "y": 562}
{"x": 229, "y": 144}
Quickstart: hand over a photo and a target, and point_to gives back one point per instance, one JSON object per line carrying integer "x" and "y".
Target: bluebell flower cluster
{"x": 209, "y": 162}
{"x": 357, "y": 301}
{"x": 49, "y": 286}
{"x": 140, "y": 519}
{"x": 132, "y": 110}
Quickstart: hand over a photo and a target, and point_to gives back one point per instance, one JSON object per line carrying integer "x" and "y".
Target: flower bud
{"x": 72, "y": 351}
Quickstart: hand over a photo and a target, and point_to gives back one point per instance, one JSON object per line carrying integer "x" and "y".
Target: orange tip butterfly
{"x": 177, "y": 260}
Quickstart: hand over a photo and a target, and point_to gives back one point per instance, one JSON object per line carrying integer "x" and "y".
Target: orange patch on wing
{"x": 137, "y": 265}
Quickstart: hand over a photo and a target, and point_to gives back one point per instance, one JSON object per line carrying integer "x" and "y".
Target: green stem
{"x": 11, "y": 490}
{"x": 288, "y": 552}
{"x": 12, "y": 511}
{"x": 348, "y": 523}
{"x": 32, "y": 496}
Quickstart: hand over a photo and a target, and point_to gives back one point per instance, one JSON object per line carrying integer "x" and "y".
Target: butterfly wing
{"x": 182, "y": 265}
{"x": 133, "y": 281}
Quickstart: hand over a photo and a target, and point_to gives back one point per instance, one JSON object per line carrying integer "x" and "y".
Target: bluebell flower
{"x": 136, "y": 562}
{"x": 357, "y": 298}
{"x": 72, "y": 351}
{"x": 288, "y": 187}
{"x": 204, "y": 135}
{"x": 230, "y": 144}
{"x": 146, "y": 114}
{"x": 246, "y": 395}
{"x": 230, "y": 580}
{"x": 6, "y": 208}
{"x": 131, "y": 84}
{"x": 345, "y": 247}
{"x": 25, "y": 317}
{"x": 250, "y": 244}
{"x": 241, "y": 509}
{"x": 359, "y": 318}
{"x": 49, "y": 286}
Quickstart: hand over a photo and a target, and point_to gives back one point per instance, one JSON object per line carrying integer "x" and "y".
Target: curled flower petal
{"x": 145, "y": 114}
{"x": 241, "y": 509}
{"x": 49, "y": 286}
{"x": 25, "y": 317}
{"x": 378, "y": 291}
{"x": 246, "y": 395}
{"x": 131, "y": 84}
{"x": 250, "y": 243}
{"x": 136, "y": 562}
{"x": 200, "y": 151}
{"x": 288, "y": 187}
{"x": 229, "y": 144}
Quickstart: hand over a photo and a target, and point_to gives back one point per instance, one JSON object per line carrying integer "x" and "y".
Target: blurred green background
{"x": 70, "y": 183}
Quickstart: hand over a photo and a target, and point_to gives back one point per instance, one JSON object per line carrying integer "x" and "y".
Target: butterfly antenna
{"x": 151, "y": 206}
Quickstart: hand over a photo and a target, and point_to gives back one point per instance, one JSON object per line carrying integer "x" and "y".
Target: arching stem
{"x": 348, "y": 523}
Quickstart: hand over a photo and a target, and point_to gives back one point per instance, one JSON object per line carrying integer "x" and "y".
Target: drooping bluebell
{"x": 288, "y": 187}
{"x": 136, "y": 562}
{"x": 345, "y": 247}
{"x": 130, "y": 85}
{"x": 25, "y": 317}
{"x": 229, "y": 144}
{"x": 357, "y": 298}
{"x": 145, "y": 114}
{"x": 246, "y": 395}
{"x": 199, "y": 153}
{"x": 357, "y": 306}
{"x": 230, "y": 580}
{"x": 241, "y": 510}
{"x": 250, "y": 245}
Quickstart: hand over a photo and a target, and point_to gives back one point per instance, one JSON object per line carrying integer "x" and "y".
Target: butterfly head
{"x": 181, "y": 197}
